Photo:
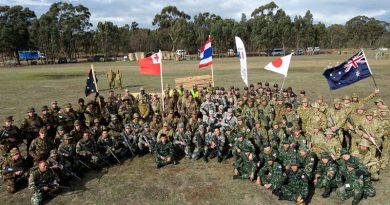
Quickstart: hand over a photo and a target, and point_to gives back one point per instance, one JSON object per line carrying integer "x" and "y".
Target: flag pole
{"x": 96, "y": 86}
{"x": 372, "y": 75}
{"x": 212, "y": 74}
{"x": 281, "y": 89}
{"x": 162, "y": 84}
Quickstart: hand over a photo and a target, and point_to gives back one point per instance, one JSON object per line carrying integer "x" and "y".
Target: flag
{"x": 242, "y": 54}
{"x": 90, "y": 86}
{"x": 150, "y": 65}
{"x": 206, "y": 54}
{"x": 280, "y": 65}
{"x": 350, "y": 71}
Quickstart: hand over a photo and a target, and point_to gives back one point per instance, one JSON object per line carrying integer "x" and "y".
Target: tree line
{"x": 65, "y": 30}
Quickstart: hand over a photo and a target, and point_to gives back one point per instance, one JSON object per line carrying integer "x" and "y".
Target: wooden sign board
{"x": 189, "y": 82}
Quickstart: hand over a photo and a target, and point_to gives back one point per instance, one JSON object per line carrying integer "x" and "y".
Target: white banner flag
{"x": 242, "y": 54}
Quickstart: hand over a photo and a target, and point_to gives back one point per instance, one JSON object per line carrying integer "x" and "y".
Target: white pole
{"x": 162, "y": 82}
{"x": 212, "y": 74}
{"x": 281, "y": 89}
{"x": 94, "y": 78}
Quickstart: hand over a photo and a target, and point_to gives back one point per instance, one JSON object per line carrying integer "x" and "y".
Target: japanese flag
{"x": 280, "y": 65}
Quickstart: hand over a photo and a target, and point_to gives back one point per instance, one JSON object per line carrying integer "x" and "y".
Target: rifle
{"x": 8, "y": 170}
{"x": 151, "y": 149}
{"x": 264, "y": 118}
{"x": 52, "y": 186}
{"x": 62, "y": 167}
{"x": 128, "y": 145}
{"x": 108, "y": 148}
{"x": 249, "y": 120}
{"x": 79, "y": 160}
{"x": 372, "y": 140}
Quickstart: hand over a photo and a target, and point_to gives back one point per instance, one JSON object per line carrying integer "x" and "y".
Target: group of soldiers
{"x": 285, "y": 142}
{"x": 113, "y": 77}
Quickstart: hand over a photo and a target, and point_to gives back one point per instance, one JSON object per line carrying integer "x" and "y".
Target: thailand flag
{"x": 206, "y": 54}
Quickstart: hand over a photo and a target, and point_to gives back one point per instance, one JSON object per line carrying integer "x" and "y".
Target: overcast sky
{"x": 124, "y": 12}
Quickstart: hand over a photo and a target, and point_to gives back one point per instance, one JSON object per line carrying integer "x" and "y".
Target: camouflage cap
{"x": 77, "y": 122}
{"x": 320, "y": 97}
{"x": 355, "y": 95}
{"x": 141, "y": 88}
{"x": 315, "y": 105}
{"x": 67, "y": 137}
{"x": 275, "y": 122}
{"x": 31, "y": 109}
{"x": 305, "y": 100}
{"x": 165, "y": 124}
{"x": 360, "y": 108}
{"x": 351, "y": 164}
{"x": 276, "y": 85}
{"x": 346, "y": 97}
{"x": 269, "y": 157}
{"x": 369, "y": 112}
{"x": 9, "y": 119}
{"x": 303, "y": 92}
{"x": 44, "y": 108}
{"x": 14, "y": 151}
{"x": 364, "y": 143}
{"x": 60, "y": 128}
{"x": 325, "y": 155}
{"x": 266, "y": 144}
{"x": 135, "y": 115}
{"x": 384, "y": 109}
{"x": 68, "y": 105}
{"x": 379, "y": 100}
{"x": 180, "y": 125}
{"x": 240, "y": 118}
{"x": 294, "y": 162}
{"x": 303, "y": 148}
{"x": 239, "y": 134}
{"x": 336, "y": 101}
{"x": 266, "y": 83}
{"x": 230, "y": 110}
{"x": 293, "y": 95}
{"x": 286, "y": 141}
{"x": 288, "y": 105}
{"x": 201, "y": 126}
{"x": 344, "y": 151}
{"x": 104, "y": 128}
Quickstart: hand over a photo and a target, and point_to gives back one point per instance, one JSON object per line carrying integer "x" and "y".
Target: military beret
{"x": 14, "y": 151}
{"x": 344, "y": 151}
{"x": 325, "y": 155}
{"x": 9, "y": 119}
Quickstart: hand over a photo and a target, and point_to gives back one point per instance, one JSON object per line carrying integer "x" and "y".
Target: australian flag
{"x": 350, "y": 71}
{"x": 90, "y": 86}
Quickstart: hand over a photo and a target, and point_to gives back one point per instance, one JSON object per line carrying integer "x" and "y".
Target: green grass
{"x": 137, "y": 181}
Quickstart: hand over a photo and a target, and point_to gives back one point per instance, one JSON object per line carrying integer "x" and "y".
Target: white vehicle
{"x": 181, "y": 53}
{"x": 317, "y": 50}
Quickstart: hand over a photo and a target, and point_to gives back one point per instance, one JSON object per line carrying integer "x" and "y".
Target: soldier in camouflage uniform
{"x": 49, "y": 121}
{"x": 367, "y": 159}
{"x": 107, "y": 142}
{"x": 215, "y": 146}
{"x": 129, "y": 141}
{"x": 385, "y": 118}
{"x": 323, "y": 107}
{"x": 111, "y": 78}
{"x": 289, "y": 117}
{"x": 352, "y": 122}
{"x": 166, "y": 129}
{"x": 59, "y": 138}
{"x": 164, "y": 152}
{"x": 77, "y": 131}
{"x": 238, "y": 146}
{"x": 118, "y": 79}
{"x": 296, "y": 188}
{"x": 330, "y": 144}
{"x": 147, "y": 140}
{"x": 182, "y": 140}
{"x": 337, "y": 118}
{"x": 67, "y": 152}
{"x": 317, "y": 120}
{"x": 297, "y": 139}
{"x": 271, "y": 175}
{"x": 67, "y": 117}
{"x": 199, "y": 142}
{"x": 371, "y": 130}
{"x": 115, "y": 126}
{"x": 258, "y": 135}
{"x": 43, "y": 181}
{"x": 267, "y": 150}
{"x": 276, "y": 134}
{"x": 245, "y": 167}
{"x": 10, "y": 136}
{"x": 96, "y": 129}
{"x": 306, "y": 161}
{"x": 266, "y": 112}
{"x": 30, "y": 126}
{"x": 304, "y": 111}
{"x": 250, "y": 113}
{"x": 40, "y": 147}
{"x": 286, "y": 153}
{"x": 14, "y": 171}
{"x": 87, "y": 150}
{"x": 144, "y": 109}
{"x": 327, "y": 175}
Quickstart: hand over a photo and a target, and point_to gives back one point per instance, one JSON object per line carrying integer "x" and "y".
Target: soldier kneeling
{"x": 14, "y": 171}
{"x": 43, "y": 182}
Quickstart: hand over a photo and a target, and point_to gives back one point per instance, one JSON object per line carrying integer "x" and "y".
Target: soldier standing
{"x": 30, "y": 126}
{"x": 9, "y": 136}
{"x": 111, "y": 78}
{"x": 118, "y": 78}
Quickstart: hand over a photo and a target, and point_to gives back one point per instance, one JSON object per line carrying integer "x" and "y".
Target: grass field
{"x": 137, "y": 181}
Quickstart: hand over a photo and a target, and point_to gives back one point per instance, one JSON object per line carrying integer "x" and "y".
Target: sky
{"x": 123, "y": 12}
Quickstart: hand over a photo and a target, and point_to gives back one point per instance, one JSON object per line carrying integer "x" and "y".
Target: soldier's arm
{"x": 32, "y": 183}
{"x": 368, "y": 98}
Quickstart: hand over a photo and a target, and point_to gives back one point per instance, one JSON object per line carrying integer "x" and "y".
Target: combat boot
{"x": 326, "y": 193}
{"x": 283, "y": 197}
{"x": 236, "y": 177}
{"x": 277, "y": 192}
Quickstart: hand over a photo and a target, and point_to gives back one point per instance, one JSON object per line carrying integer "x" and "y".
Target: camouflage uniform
{"x": 38, "y": 179}
{"x": 164, "y": 150}
{"x": 327, "y": 175}
{"x": 272, "y": 174}
{"x": 306, "y": 162}
{"x": 385, "y": 118}
{"x": 182, "y": 140}
{"x": 297, "y": 185}
{"x": 40, "y": 149}
{"x": 286, "y": 153}
{"x": 9, "y": 169}
{"x": 87, "y": 150}
{"x": 304, "y": 114}
{"x": 246, "y": 166}
{"x": 10, "y": 137}
{"x": 30, "y": 127}
{"x": 118, "y": 79}
{"x": 241, "y": 145}
{"x": 111, "y": 78}
{"x": 374, "y": 128}
{"x": 367, "y": 159}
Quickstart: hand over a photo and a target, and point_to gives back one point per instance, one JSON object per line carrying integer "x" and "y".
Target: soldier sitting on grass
{"x": 164, "y": 152}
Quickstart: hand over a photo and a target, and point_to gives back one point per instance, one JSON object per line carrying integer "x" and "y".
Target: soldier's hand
{"x": 238, "y": 150}
{"x": 45, "y": 188}
{"x": 267, "y": 186}
{"x": 18, "y": 173}
{"x": 376, "y": 91}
